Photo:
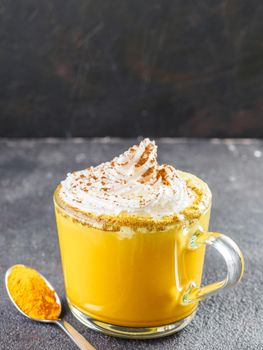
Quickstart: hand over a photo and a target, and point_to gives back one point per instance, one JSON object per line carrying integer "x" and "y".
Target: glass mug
{"x": 139, "y": 284}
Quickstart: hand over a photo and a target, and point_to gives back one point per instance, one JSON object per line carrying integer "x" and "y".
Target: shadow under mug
{"x": 139, "y": 285}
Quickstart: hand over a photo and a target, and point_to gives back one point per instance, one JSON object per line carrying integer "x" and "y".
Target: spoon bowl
{"x": 7, "y": 274}
{"x": 78, "y": 339}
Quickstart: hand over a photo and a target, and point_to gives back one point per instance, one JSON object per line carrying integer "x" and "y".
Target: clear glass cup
{"x": 138, "y": 283}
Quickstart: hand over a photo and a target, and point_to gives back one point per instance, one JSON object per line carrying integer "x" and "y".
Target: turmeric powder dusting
{"x": 31, "y": 293}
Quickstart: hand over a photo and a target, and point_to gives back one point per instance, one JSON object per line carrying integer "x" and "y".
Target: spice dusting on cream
{"x": 132, "y": 183}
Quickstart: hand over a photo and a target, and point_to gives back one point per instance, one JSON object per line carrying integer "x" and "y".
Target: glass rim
{"x": 125, "y": 221}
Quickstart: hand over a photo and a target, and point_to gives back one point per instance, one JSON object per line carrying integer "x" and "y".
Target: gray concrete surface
{"x": 29, "y": 172}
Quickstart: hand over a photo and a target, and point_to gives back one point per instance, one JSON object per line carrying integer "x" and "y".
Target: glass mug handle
{"x": 233, "y": 258}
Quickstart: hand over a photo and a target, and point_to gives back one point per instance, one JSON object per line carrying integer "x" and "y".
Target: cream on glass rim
{"x": 132, "y": 237}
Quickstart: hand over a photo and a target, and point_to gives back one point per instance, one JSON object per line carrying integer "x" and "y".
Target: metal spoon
{"x": 77, "y": 338}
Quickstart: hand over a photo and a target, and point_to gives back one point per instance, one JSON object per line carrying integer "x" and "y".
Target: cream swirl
{"x": 132, "y": 183}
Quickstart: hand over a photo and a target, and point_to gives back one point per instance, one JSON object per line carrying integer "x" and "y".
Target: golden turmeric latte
{"x": 31, "y": 293}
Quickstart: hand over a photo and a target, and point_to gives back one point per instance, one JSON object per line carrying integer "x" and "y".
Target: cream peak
{"x": 133, "y": 183}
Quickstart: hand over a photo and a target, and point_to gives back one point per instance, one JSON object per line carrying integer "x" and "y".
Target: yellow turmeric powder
{"x": 31, "y": 293}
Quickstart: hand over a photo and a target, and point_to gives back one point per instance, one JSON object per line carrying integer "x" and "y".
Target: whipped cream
{"x": 132, "y": 183}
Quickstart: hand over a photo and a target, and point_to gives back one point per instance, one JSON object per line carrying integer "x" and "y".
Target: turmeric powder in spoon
{"x": 32, "y": 294}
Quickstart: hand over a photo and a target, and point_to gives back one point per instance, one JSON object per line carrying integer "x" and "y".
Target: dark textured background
{"x": 30, "y": 170}
{"x": 131, "y": 67}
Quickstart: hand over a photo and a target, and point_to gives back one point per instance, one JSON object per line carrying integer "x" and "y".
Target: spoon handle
{"x": 77, "y": 338}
